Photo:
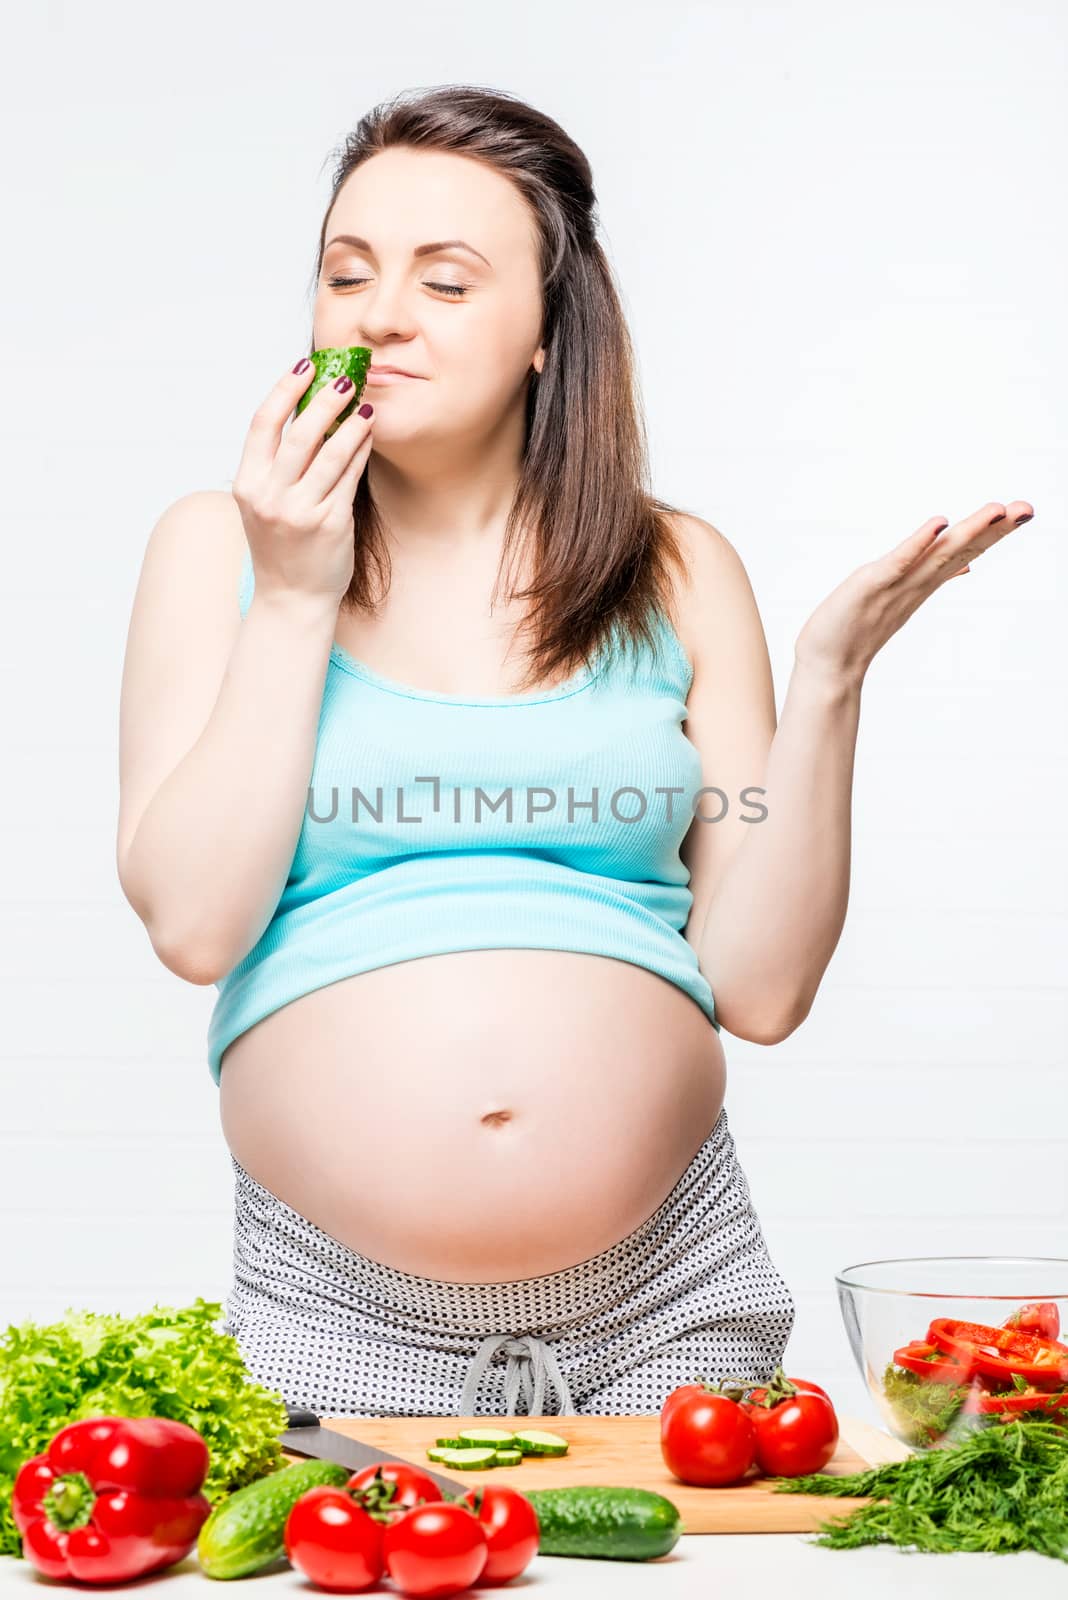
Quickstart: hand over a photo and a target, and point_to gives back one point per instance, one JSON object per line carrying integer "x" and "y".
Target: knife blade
{"x": 306, "y": 1436}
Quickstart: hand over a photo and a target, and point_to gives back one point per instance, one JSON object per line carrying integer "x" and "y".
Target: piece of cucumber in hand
{"x": 351, "y": 362}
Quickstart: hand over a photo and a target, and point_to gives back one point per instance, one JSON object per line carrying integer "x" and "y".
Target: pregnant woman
{"x": 476, "y": 906}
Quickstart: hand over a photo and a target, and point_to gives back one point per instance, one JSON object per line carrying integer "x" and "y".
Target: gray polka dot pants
{"x": 691, "y": 1293}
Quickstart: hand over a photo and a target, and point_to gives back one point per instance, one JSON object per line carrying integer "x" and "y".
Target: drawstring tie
{"x": 524, "y": 1352}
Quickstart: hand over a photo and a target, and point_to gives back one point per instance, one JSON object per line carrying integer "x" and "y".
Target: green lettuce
{"x": 169, "y": 1362}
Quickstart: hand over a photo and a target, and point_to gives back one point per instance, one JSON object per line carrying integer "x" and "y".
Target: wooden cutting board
{"x": 626, "y": 1451}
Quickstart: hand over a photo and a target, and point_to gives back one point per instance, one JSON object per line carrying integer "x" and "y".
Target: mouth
{"x": 390, "y": 373}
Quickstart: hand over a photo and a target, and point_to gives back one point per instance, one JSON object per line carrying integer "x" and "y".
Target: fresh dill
{"x": 1000, "y": 1489}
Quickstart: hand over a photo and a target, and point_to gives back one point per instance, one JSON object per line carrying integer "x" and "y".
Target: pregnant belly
{"x": 477, "y": 1116}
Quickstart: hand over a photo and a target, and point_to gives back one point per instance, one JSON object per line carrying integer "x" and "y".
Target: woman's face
{"x": 472, "y": 351}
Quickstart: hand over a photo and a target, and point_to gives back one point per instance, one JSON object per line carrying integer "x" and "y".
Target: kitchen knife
{"x": 306, "y": 1436}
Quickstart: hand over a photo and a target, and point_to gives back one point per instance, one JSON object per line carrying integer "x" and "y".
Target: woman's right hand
{"x": 296, "y": 494}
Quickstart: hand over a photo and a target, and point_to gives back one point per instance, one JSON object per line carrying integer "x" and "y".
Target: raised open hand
{"x": 846, "y": 631}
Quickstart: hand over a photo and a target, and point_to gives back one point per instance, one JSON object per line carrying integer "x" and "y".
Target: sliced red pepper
{"x": 928, "y": 1361}
{"x": 112, "y": 1498}
{"x": 1029, "y": 1399}
{"x": 1003, "y": 1352}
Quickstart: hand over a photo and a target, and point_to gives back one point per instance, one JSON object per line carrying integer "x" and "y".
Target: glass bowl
{"x": 933, "y": 1382}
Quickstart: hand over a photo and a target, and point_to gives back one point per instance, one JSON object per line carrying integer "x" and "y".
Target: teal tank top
{"x": 434, "y": 823}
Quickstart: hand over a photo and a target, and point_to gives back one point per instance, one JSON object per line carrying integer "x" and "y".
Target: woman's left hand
{"x": 845, "y": 632}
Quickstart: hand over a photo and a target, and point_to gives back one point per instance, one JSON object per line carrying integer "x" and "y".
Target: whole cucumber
{"x": 613, "y": 1523}
{"x": 245, "y": 1531}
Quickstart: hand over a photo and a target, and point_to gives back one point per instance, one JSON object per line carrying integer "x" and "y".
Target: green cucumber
{"x": 466, "y": 1460}
{"x": 507, "y": 1458}
{"x": 352, "y": 361}
{"x": 488, "y": 1436}
{"x": 454, "y": 1443}
{"x": 612, "y": 1523}
{"x": 535, "y": 1443}
{"x": 246, "y": 1530}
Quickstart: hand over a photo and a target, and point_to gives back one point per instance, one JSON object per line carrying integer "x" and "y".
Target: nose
{"x": 386, "y": 314}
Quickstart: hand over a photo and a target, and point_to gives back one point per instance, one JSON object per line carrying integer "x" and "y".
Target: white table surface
{"x": 702, "y": 1566}
{"x": 706, "y": 1566}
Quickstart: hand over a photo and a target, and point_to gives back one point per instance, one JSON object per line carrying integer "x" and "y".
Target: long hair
{"x": 601, "y": 544}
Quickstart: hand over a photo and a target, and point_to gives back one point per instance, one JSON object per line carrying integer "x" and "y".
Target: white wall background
{"x": 840, "y": 248}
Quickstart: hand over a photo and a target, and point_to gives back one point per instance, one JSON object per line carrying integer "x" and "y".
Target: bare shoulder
{"x": 214, "y": 511}
{"x": 188, "y": 588}
{"x": 227, "y": 506}
{"x": 199, "y": 541}
{"x": 713, "y": 595}
{"x": 221, "y": 518}
{"x": 231, "y": 527}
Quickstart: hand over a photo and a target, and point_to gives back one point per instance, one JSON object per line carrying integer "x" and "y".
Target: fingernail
{"x": 366, "y": 410}
{"x": 1026, "y": 518}
{"x": 342, "y": 385}
{"x": 302, "y": 365}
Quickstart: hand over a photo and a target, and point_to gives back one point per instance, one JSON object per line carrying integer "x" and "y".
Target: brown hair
{"x": 602, "y": 543}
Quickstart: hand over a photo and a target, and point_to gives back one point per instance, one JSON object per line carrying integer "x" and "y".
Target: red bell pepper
{"x": 928, "y": 1361}
{"x": 1003, "y": 1352}
{"x": 112, "y": 1498}
{"x": 1015, "y": 1400}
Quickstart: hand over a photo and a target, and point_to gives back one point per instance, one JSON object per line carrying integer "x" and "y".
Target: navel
{"x": 497, "y": 1119}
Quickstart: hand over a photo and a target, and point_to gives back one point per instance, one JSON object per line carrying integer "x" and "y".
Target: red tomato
{"x": 332, "y": 1540}
{"x": 435, "y": 1549}
{"x": 1041, "y": 1317}
{"x": 705, "y": 1438}
{"x": 683, "y": 1392}
{"x": 405, "y": 1485}
{"x": 796, "y": 1435}
{"x": 511, "y": 1526}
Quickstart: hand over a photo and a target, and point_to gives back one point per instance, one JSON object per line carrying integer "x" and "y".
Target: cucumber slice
{"x": 449, "y": 1444}
{"x": 434, "y": 1453}
{"x": 535, "y": 1443}
{"x": 467, "y": 1460}
{"x": 507, "y": 1458}
{"x": 492, "y": 1437}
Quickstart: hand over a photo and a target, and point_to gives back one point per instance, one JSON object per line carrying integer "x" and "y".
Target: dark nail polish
{"x": 1026, "y": 518}
{"x": 302, "y": 365}
{"x": 366, "y": 410}
{"x": 342, "y": 385}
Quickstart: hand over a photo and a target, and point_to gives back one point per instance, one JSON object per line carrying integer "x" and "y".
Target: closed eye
{"x": 446, "y": 288}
